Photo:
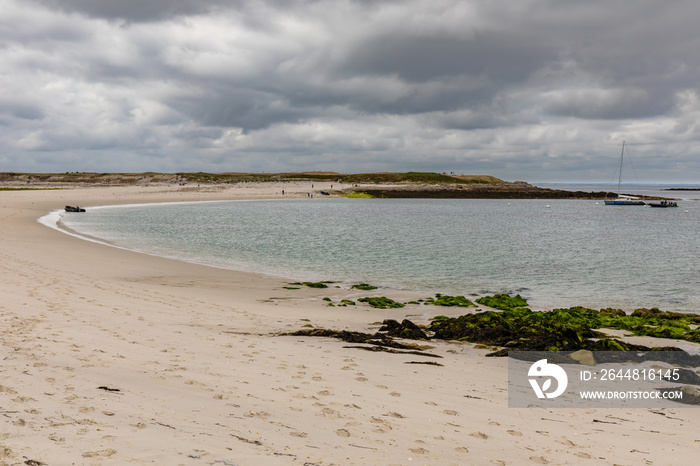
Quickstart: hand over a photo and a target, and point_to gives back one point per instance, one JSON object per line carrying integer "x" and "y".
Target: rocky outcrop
{"x": 516, "y": 190}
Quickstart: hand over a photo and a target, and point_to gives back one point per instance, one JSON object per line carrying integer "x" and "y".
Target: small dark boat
{"x": 325, "y": 193}
{"x": 70, "y": 208}
{"x": 663, "y": 204}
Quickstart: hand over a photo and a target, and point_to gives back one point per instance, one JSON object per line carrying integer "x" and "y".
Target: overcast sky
{"x": 535, "y": 90}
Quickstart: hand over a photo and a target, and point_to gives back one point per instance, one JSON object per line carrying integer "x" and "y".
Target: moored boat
{"x": 621, "y": 198}
{"x": 70, "y": 208}
{"x": 625, "y": 200}
{"x": 663, "y": 204}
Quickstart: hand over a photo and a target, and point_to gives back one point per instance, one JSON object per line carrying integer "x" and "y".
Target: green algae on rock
{"x": 574, "y": 328}
{"x": 381, "y": 302}
{"x": 444, "y": 300}
{"x": 312, "y": 284}
{"x": 503, "y": 301}
{"x": 364, "y": 287}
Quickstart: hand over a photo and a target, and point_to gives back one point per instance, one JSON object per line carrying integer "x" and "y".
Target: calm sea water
{"x": 556, "y": 253}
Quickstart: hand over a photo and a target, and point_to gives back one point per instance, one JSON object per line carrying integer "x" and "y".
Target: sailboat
{"x": 623, "y": 199}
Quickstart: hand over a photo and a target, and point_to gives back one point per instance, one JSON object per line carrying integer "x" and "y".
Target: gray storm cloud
{"x": 527, "y": 89}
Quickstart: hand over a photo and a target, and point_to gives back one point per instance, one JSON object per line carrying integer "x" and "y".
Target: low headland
{"x": 381, "y": 185}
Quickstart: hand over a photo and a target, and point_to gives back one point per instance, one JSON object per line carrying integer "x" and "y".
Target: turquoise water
{"x": 556, "y": 253}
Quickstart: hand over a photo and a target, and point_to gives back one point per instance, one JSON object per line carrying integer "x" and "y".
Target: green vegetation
{"x": 359, "y": 195}
{"x": 503, "y": 301}
{"x": 346, "y": 302}
{"x": 219, "y": 178}
{"x": 363, "y": 287}
{"x": 381, "y": 302}
{"x": 443, "y": 300}
{"x": 518, "y": 328}
{"x": 312, "y": 284}
{"x": 416, "y": 177}
{"x": 561, "y": 329}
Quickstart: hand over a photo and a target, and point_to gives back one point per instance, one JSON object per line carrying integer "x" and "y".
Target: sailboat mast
{"x": 619, "y": 180}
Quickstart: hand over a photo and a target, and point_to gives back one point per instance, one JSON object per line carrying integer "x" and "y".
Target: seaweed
{"x": 390, "y": 350}
{"x": 503, "y": 302}
{"x": 376, "y": 339}
{"x": 405, "y": 329}
{"x": 518, "y": 328}
{"x": 364, "y": 287}
{"x": 312, "y": 284}
{"x": 444, "y": 300}
{"x": 381, "y": 302}
{"x": 574, "y": 328}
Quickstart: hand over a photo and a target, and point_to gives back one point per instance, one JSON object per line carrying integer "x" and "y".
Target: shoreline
{"x": 202, "y": 377}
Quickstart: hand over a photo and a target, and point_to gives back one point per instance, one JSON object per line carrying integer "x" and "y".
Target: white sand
{"x": 201, "y": 378}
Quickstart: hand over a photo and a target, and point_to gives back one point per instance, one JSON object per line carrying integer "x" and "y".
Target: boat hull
{"x": 625, "y": 202}
{"x": 663, "y": 205}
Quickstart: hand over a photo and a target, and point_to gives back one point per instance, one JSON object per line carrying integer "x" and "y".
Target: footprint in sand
{"x": 539, "y": 460}
{"x": 381, "y": 426}
{"x": 515, "y": 433}
{"x": 565, "y": 441}
{"x": 105, "y": 453}
{"x": 480, "y": 435}
{"x": 419, "y": 451}
{"x": 342, "y": 433}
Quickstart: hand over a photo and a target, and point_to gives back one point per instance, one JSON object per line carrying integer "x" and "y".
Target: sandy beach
{"x": 116, "y": 357}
